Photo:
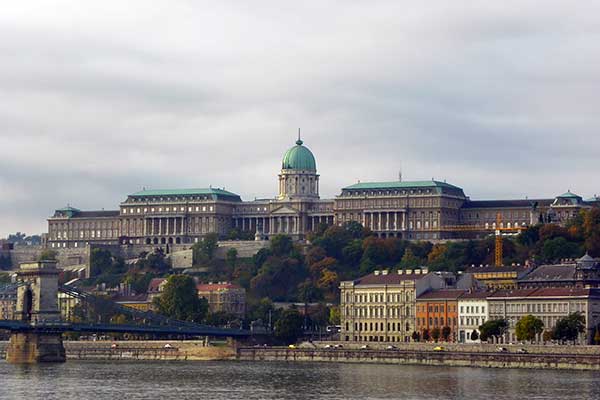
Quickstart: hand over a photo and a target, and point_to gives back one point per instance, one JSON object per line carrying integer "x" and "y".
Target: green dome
{"x": 299, "y": 158}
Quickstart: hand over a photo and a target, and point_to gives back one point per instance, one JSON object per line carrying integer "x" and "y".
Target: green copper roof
{"x": 68, "y": 209}
{"x": 184, "y": 192}
{"x": 570, "y": 195}
{"x": 400, "y": 185}
{"x": 299, "y": 157}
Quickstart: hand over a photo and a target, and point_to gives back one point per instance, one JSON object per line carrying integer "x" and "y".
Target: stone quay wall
{"x": 420, "y": 357}
{"x": 191, "y": 350}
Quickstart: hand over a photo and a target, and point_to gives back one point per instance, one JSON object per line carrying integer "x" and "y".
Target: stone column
{"x": 395, "y": 220}
{"x": 379, "y": 221}
{"x": 160, "y": 226}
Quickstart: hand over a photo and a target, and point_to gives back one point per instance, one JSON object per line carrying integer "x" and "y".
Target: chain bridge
{"x": 37, "y": 329}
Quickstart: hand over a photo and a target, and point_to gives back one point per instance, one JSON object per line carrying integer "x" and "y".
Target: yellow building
{"x": 504, "y": 277}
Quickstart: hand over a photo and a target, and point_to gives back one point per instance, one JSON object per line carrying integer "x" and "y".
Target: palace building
{"x": 421, "y": 210}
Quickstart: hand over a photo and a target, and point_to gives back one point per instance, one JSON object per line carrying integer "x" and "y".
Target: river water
{"x": 255, "y": 380}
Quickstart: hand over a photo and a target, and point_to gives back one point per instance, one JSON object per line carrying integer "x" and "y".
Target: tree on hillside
{"x": 409, "y": 260}
{"x": 352, "y": 253}
{"x": 553, "y": 250}
{"x": 232, "y": 257}
{"x": 179, "y": 300}
{"x": 281, "y": 245}
{"x": 591, "y": 229}
{"x": 568, "y": 328}
{"x": 288, "y": 327}
{"x": 529, "y": 327}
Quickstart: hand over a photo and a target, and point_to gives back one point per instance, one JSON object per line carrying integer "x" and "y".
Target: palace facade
{"x": 423, "y": 210}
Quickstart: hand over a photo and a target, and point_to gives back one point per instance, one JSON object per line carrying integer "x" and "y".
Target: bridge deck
{"x": 59, "y": 327}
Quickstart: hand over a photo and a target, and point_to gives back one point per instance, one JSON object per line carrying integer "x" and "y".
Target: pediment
{"x": 284, "y": 210}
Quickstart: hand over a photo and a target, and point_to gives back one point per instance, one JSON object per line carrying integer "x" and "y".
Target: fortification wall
{"x": 245, "y": 248}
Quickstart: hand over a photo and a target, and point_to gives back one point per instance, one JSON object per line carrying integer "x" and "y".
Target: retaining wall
{"x": 442, "y": 358}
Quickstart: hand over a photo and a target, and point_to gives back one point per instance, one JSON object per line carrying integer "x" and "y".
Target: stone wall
{"x": 245, "y": 248}
{"x": 439, "y": 358}
{"x": 182, "y": 259}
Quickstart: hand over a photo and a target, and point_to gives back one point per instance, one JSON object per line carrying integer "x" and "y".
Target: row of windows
{"x": 472, "y": 309}
{"x": 176, "y": 198}
{"x": 72, "y": 225}
{"x": 437, "y": 322}
{"x": 432, "y": 308}
{"x": 167, "y": 209}
{"x": 563, "y": 307}
{"x": 472, "y": 321}
{"x": 380, "y": 297}
{"x": 379, "y": 327}
{"x": 385, "y": 192}
{"x": 377, "y": 312}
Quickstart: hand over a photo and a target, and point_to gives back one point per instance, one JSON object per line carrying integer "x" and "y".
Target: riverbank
{"x": 453, "y": 355}
{"x": 166, "y": 350}
{"x": 555, "y": 361}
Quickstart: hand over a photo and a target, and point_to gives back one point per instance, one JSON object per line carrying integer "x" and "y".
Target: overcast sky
{"x": 100, "y": 100}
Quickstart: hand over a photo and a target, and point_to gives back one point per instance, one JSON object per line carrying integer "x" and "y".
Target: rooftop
{"x": 400, "y": 185}
{"x": 524, "y": 203}
{"x": 442, "y": 294}
{"x": 544, "y": 292}
{"x": 183, "y": 192}
{"x": 551, "y": 273}
{"x": 389, "y": 278}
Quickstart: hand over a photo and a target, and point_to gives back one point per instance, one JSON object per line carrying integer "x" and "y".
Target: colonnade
{"x": 384, "y": 220}
{"x": 289, "y": 224}
{"x": 164, "y": 226}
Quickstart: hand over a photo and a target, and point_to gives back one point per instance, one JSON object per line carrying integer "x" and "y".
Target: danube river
{"x": 253, "y": 380}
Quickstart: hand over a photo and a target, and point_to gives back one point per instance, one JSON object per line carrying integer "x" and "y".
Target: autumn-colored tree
{"x": 591, "y": 228}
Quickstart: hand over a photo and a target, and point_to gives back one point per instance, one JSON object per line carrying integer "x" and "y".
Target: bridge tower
{"x": 37, "y": 304}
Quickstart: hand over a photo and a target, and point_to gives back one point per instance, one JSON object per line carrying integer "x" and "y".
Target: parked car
{"x": 522, "y": 351}
{"x": 502, "y": 350}
{"x": 292, "y": 346}
{"x": 168, "y": 346}
{"x": 328, "y": 346}
{"x": 439, "y": 348}
{"x": 338, "y": 346}
{"x": 364, "y": 347}
{"x": 390, "y": 347}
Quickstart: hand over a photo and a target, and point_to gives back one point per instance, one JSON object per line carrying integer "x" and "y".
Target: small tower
{"x": 37, "y": 306}
{"x": 37, "y": 297}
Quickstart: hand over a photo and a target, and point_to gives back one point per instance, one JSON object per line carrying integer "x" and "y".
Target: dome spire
{"x": 299, "y": 141}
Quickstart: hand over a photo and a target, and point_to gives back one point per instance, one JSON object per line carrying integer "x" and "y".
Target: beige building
{"x": 380, "y": 307}
{"x": 224, "y": 297}
{"x": 548, "y": 304}
{"x": 422, "y": 210}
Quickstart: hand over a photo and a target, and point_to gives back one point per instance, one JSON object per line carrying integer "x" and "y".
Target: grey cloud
{"x": 98, "y": 100}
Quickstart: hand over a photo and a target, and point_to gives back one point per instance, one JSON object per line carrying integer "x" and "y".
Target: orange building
{"x": 438, "y": 309}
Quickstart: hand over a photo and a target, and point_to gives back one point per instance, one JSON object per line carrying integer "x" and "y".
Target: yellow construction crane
{"x": 498, "y": 229}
